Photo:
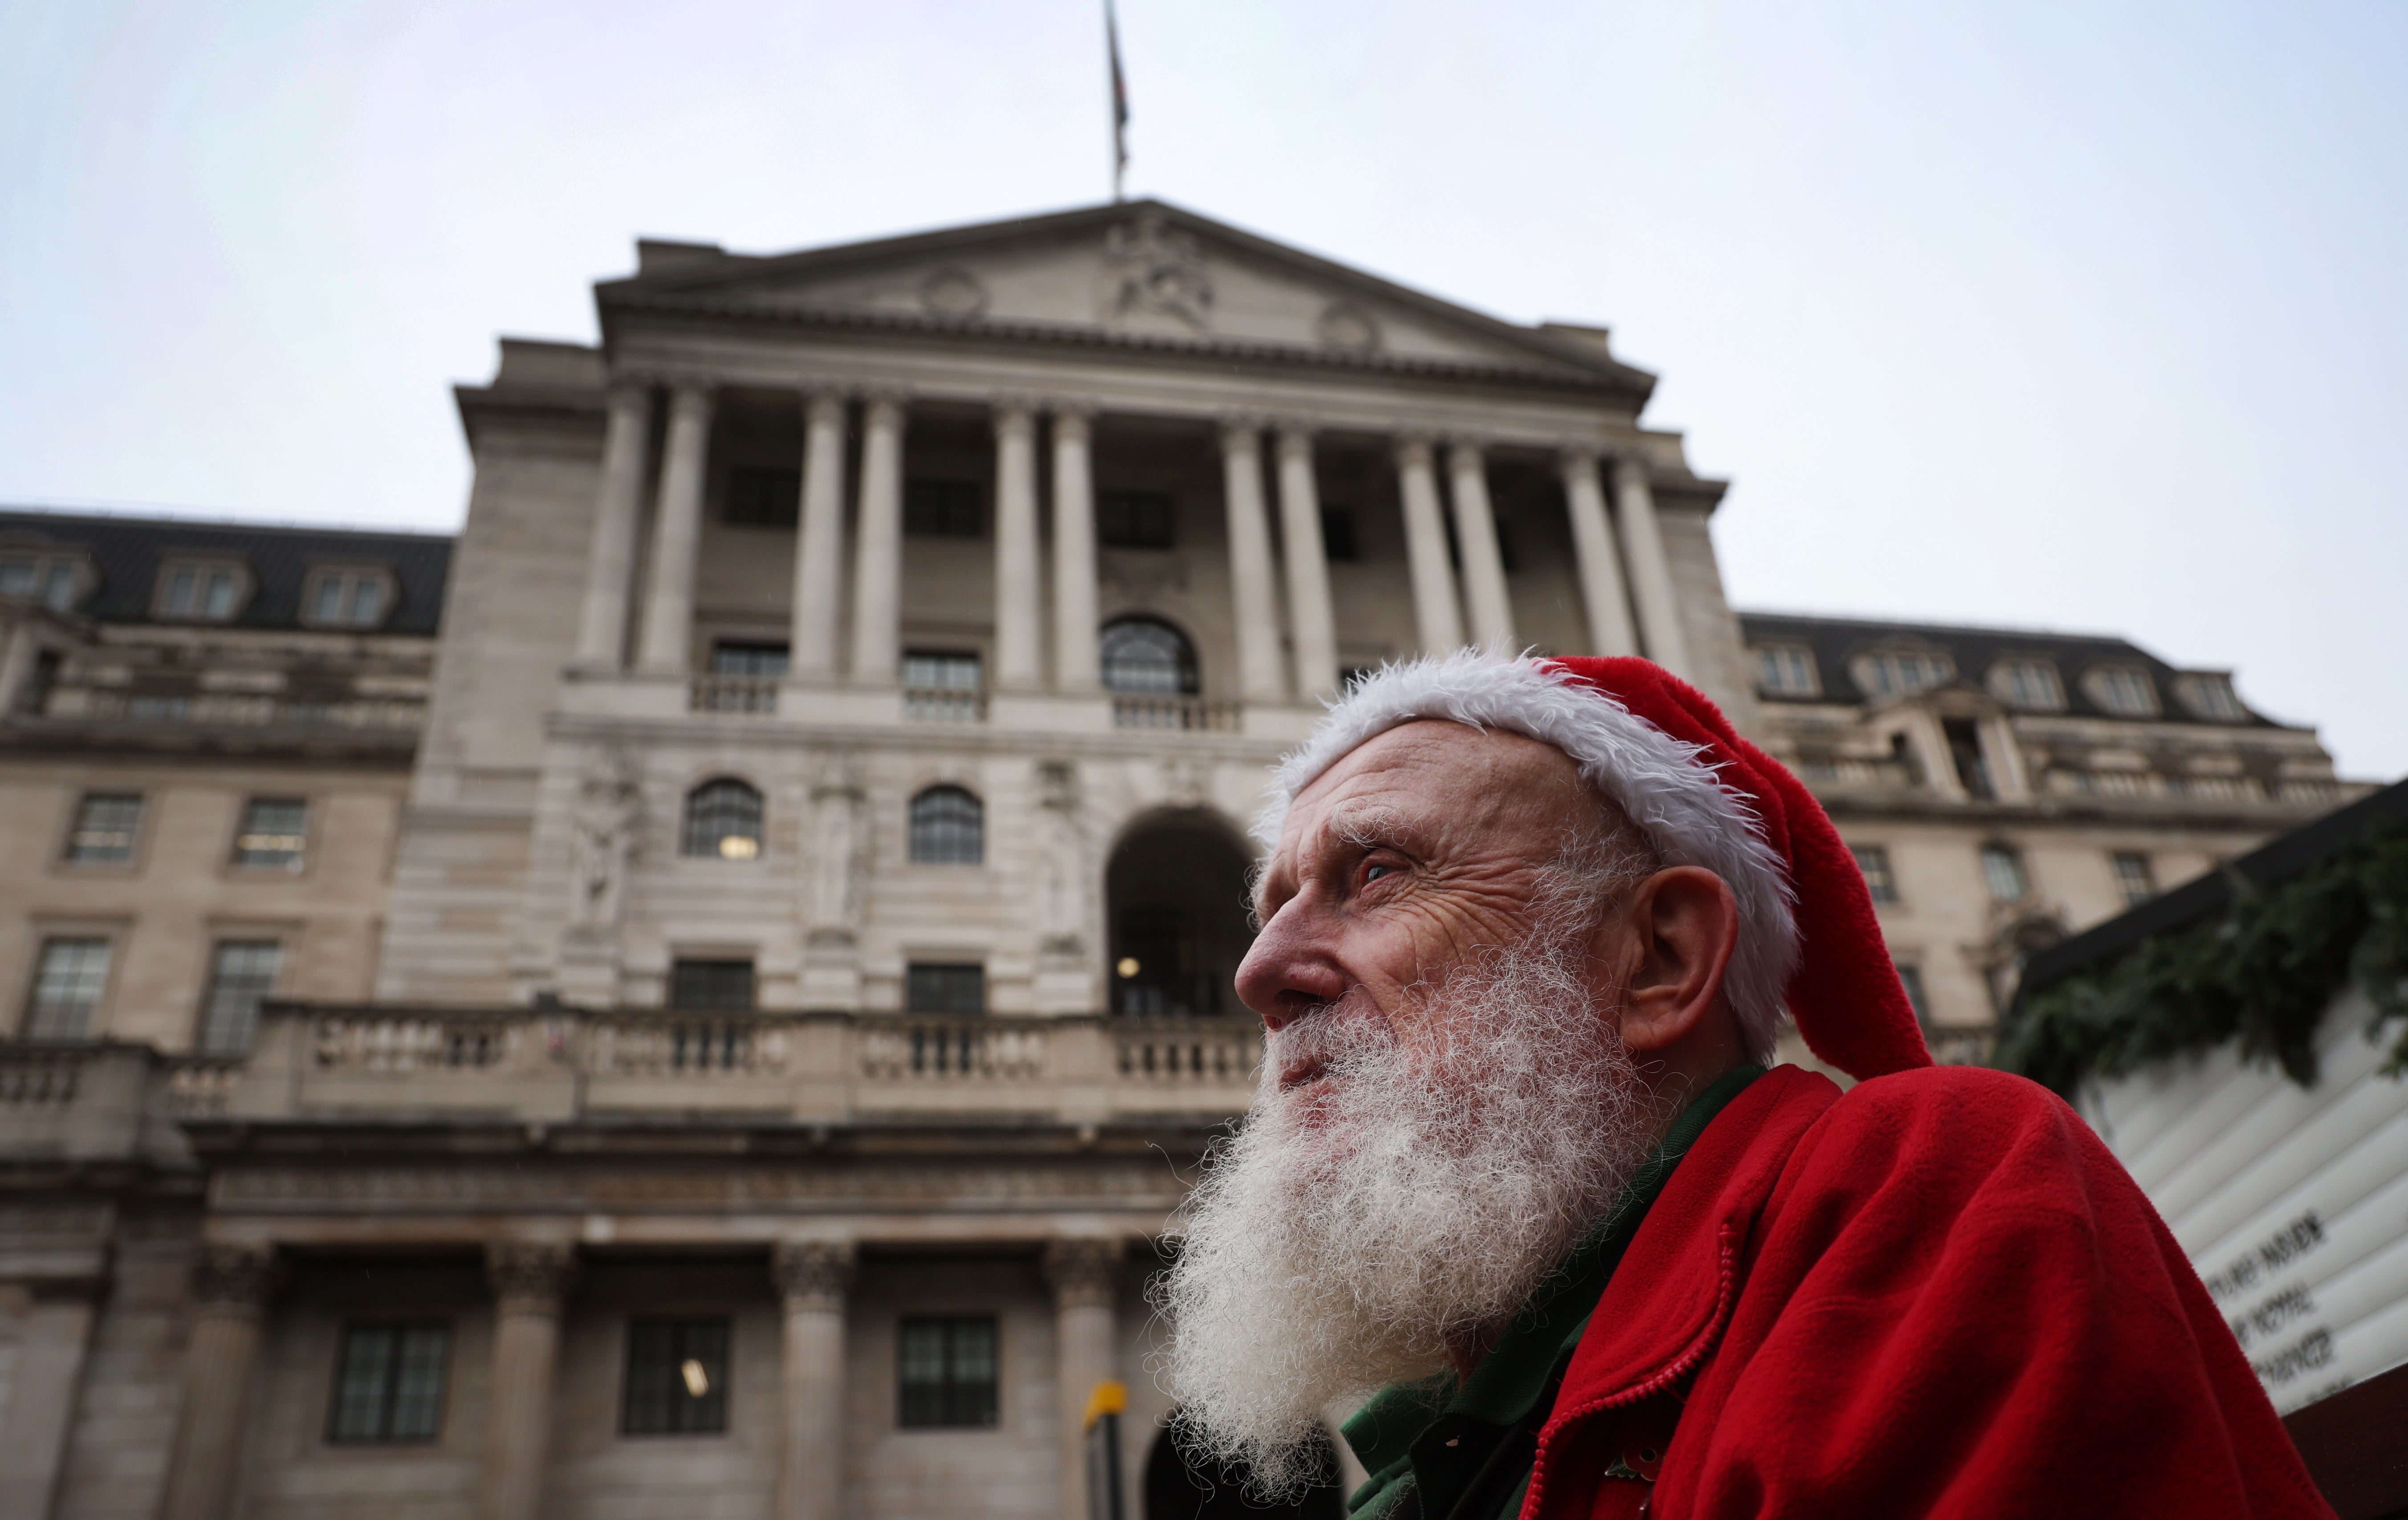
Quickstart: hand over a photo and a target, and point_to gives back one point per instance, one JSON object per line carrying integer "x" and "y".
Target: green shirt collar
{"x": 1504, "y": 1390}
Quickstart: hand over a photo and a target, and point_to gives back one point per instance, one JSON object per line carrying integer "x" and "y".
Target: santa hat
{"x": 1702, "y": 795}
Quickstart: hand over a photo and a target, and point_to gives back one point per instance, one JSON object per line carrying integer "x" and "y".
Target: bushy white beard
{"x": 1353, "y": 1230}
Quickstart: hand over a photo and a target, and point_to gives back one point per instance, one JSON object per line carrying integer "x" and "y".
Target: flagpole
{"x": 1119, "y": 99}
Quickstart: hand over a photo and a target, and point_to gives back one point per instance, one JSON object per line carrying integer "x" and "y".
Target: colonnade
{"x": 531, "y": 1281}
{"x": 1616, "y": 547}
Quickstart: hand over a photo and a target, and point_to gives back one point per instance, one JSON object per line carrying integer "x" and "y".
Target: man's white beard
{"x": 1355, "y": 1229}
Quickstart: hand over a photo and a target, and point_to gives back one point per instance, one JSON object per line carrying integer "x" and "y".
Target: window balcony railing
{"x": 733, "y": 694}
{"x": 943, "y": 704}
{"x": 235, "y": 709}
{"x": 1183, "y": 714}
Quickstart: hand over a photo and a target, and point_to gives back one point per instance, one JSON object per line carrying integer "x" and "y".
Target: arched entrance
{"x": 1176, "y": 893}
{"x": 1178, "y": 1487}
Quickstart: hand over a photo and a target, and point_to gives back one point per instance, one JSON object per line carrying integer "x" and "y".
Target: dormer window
{"x": 201, "y": 591}
{"x": 346, "y": 596}
{"x": 2123, "y": 690}
{"x": 2210, "y": 696}
{"x": 1787, "y": 670}
{"x": 2030, "y": 684}
{"x": 1901, "y": 672}
{"x": 56, "y": 580}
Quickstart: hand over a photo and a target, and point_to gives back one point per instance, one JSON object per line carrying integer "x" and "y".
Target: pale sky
{"x": 2081, "y": 316}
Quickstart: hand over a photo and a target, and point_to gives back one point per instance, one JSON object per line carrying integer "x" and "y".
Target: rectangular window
{"x": 945, "y": 1374}
{"x": 275, "y": 833}
{"x": 242, "y": 972}
{"x": 2003, "y": 871}
{"x": 945, "y": 987}
{"x": 389, "y": 1384}
{"x": 68, "y": 987}
{"x": 1911, "y": 977}
{"x": 346, "y": 599}
{"x": 764, "y": 498}
{"x": 1873, "y": 860}
{"x": 944, "y": 509}
{"x": 730, "y": 657}
{"x": 159, "y": 707}
{"x": 49, "y": 578}
{"x": 726, "y": 985}
{"x": 1134, "y": 518}
{"x": 103, "y": 830}
{"x": 200, "y": 593}
{"x": 939, "y": 671}
{"x": 1338, "y": 535}
{"x": 677, "y": 1378}
{"x": 1787, "y": 670}
{"x": 2135, "y": 877}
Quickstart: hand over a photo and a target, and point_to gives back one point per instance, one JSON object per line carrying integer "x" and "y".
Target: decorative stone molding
{"x": 1345, "y": 325}
{"x": 1153, "y": 267}
{"x": 814, "y": 1274}
{"x": 235, "y": 1277}
{"x": 530, "y": 1276}
{"x": 954, "y": 292}
{"x": 1084, "y": 1273}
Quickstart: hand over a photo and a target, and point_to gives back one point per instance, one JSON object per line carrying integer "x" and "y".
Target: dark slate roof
{"x": 126, "y": 552}
{"x": 1836, "y": 642}
{"x": 2280, "y": 859}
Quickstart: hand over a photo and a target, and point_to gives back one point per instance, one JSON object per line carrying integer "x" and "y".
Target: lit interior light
{"x": 697, "y": 1382}
{"x": 1127, "y": 968}
{"x": 738, "y": 847}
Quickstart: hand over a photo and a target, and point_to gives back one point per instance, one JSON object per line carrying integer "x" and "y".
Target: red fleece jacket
{"x": 1938, "y": 1295}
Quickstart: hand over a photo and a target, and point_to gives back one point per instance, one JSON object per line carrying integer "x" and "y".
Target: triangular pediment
{"x": 1143, "y": 268}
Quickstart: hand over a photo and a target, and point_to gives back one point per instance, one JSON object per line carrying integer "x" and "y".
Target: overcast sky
{"x": 2083, "y": 316}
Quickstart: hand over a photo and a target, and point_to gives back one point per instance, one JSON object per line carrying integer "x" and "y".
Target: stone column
{"x": 610, "y": 562}
{"x": 530, "y": 1280}
{"x": 1475, "y": 534}
{"x": 1250, "y": 565}
{"x": 1610, "y": 629}
{"x": 819, "y": 539}
{"x": 232, "y": 1285}
{"x": 43, "y": 1392}
{"x": 812, "y": 1278}
{"x": 1435, "y": 617}
{"x": 878, "y": 549}
{"x": 1017, "y": 660}
{"x": 1085, "y": 1275}
{"x": 1075, "y": 666}
{"x": 677, "y": 535}
{"x": 1651, "y": 573}
{"x": 1309, "y": 619}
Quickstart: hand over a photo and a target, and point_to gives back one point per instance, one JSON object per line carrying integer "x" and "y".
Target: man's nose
{"x": 1291, "y": 969}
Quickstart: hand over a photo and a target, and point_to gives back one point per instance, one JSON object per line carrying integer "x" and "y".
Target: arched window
{"x": 948, "y": 828}
{"x": 1148, "y": 657}
{"x": 723, "y": 819}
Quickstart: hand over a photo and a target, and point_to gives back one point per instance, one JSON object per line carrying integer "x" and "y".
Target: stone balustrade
{"x": 1176, "y": 713}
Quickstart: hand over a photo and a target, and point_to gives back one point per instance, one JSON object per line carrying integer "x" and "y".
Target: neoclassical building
{"x": 703, "y": 993}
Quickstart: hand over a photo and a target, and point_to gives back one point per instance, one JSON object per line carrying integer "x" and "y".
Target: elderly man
{"x": 1528, "y": 931}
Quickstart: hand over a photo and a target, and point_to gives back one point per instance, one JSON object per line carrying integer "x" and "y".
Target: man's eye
{"x": 1376, "y": 869}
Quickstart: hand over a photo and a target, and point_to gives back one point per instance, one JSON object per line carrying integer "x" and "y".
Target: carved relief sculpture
{"x": 813, "y": 1274}
{"x": 839, "y": 852}
{"x": 1062, "y": 922}
{"x": 1150, "y": 267}
{"x": 607, "y": 821}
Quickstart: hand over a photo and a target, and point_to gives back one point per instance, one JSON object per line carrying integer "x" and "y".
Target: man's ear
{"x": 1681, "y": 927}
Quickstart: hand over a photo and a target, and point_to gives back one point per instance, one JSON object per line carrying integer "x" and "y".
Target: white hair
{"x": 1667, "y": 788}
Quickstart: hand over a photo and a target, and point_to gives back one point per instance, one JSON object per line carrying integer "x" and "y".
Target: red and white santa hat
{"x": 1809, "y": 942}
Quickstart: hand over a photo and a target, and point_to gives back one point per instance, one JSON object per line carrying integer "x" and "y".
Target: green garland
{"x": 2262, "y": 972}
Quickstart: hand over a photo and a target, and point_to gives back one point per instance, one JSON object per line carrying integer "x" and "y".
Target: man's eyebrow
{"x": 1366, "y": 824}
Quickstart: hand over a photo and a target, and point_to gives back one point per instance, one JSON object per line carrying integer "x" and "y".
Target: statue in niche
{"x": 607, "y": 821}
{"x": 840, "y": 856}
{"x": 1063, "y": 909}
{"x": 1150, "y": 267}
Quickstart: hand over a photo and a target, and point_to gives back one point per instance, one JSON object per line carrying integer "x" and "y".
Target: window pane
{"x": 677, "y": 1377}
{"x": 765, "y": 499}
{"x": 2135, "y": 878}
{"x": 730, "y": 658}
{"x": 1133, "y": 519}
{"x": 935, "y": 671}
{"x": 948, "y": 828}
{"x": 1911, "y": 977}
{"x": 1873, "y": 860}
{"x": 242, "y": 973}
{"x": 722, "y": 818}
{"x": 363, "y": 1384}
{"x": 221, "y": 597}
{"x": 1143, "y": 656}
{"x": 329, "y": 605}
{"x": 17, "y": 575}
{"x": 945, "y": 1372}
{"x": 182, "y": 592}
{"x": 104, "y": 828}
{"x": 59, "y": 586}
{"x": 67, "y": 989}
{"x": 943, "y": 508}
{"x": 711, "y": 985}
{"x": 945, "y": 987}
{"x": 274, "y": 832}
{"x": 417, "y": 1381}
{"x": 2003, "y": 871}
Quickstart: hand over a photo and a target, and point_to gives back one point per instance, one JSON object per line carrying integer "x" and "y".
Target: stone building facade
{"x": 718, "y": 1019}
